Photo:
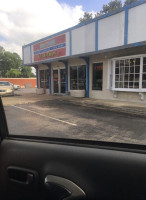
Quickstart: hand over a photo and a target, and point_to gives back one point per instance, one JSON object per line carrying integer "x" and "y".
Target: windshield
{"x": 4, "y": 83}
{"x": 79, "y": 75}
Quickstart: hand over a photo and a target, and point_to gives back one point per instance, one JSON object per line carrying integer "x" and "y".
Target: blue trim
{"x": 70, "y": 43}
{"x": 50, "y": 87}
{"x": 126, "y": 27}
{"x": 87, "y": 75}
{"x": 36, "y": 67}
{"x": 96, "y": 35}
{"x": 58, "y": 46}
{"x": 90, "y": 21}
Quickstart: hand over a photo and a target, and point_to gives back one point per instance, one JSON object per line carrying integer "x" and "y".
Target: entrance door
{"x": 62, "y": 80}
{"x": 55, "y": 81}
{"x": 44, "y": 79}
{"x": 59, "y": 81}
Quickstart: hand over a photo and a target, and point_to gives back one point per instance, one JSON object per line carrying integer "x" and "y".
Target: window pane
{"x": 125, "y": 84}
{"x": 132, "y": 62}
{"x": 144, "y": 60}
{"x": 131, "y": 77}
{"x": 136, "y": 85}
{"x": 117, "y": 78}
{"x": 117, "y": 63}
{"x": 127, "y": 62}
{"x": 137, "y": 69}
{"x": 127, "y": 70}
{"x": 144, "y": 77}
{"x": 131, "y": 69}
{"x": 130, "y": 84}
{"x": 117, "y": 70}
{"x": 73, "y": 77}
{"x": 81, "y": 77}
{"x": 144, "y": 84}
{"x": 137, "y": 77}
{"x": 144, "y": 68}
{"x": 137, "y": 61}
{"x": 97, "y": 76}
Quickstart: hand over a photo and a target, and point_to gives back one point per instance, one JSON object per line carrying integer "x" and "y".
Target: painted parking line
{"x": 59, "y": 120}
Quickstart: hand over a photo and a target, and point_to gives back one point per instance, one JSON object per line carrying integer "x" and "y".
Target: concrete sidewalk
{"x": 25, "y": 96}
{"x": 138, "y": 108}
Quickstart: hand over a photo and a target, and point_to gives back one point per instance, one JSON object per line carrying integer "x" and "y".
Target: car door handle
{"x": 22, "y": 176}
{"x": 74, "y": 191}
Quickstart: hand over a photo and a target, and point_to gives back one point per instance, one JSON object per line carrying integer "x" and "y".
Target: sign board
{"x": 51, "y": 48}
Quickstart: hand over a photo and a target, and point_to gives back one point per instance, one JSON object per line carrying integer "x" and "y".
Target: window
{"x": 78, "y": 77}
{"x": 130, "y": 73}
{"x": 97, "y": 76}
{"x": 44, "y": 78}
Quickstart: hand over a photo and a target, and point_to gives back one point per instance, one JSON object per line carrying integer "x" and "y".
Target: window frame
{"x": 140, "y": 89}
{"x": 77, "y": 66}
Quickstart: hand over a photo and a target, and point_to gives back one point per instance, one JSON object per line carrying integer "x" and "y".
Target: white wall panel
{"x": 111, "y": 31}
{"x": 67, "y": 44}
{"x": 26, "y": 54}
{"x": 83, "y": 39}
{"x": 137, "y": 24}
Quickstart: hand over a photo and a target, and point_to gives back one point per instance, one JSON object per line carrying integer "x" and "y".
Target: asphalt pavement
{"x": 57, "y": 117}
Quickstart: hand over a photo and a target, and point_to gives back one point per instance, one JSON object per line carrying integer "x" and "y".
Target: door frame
{"x": 59, "y": 81}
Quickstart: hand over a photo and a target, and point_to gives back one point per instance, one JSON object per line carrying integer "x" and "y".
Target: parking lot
{"x": 53, "y": 116}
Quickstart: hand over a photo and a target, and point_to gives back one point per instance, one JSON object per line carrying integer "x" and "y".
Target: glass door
{"x": 44, "y": 79}
{"x": 62, "y": 80}
{"x": 55, "y": 81}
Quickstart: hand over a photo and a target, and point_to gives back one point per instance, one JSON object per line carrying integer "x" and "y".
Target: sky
{"x": 24, "y": 21}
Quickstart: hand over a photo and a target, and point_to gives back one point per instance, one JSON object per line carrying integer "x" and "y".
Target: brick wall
{"x": 21, "y": 81}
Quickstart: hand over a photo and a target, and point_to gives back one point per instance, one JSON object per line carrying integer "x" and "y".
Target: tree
{"x": 86, "y": 17}
{"x": 127, "y": 2}
{"x": 26, "y": 72}
{"x": 9, "y": 60}
{"x": 111, "y": 6}
{"x": 13, "y": 73}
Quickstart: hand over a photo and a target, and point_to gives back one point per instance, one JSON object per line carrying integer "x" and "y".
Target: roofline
{"x": 137, "y": 44}
{"x": 88, "y": 22}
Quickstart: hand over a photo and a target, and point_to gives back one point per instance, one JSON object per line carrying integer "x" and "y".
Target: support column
{"x": 86, "y": 59}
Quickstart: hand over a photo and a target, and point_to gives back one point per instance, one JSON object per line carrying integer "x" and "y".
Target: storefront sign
{"x": 48, "y": 49}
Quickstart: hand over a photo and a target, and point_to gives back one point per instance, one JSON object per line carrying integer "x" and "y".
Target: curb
{"x": 111, "y": 108}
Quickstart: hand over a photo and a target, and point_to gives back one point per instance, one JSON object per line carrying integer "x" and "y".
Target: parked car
{"x": 16, "y": 87}
{"x": 6, "y": 88}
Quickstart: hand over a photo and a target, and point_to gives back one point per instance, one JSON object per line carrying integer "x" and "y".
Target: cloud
{"x": 25, "y": 21}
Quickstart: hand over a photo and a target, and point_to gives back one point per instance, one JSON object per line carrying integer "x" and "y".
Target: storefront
{"x": 104, "y": 58}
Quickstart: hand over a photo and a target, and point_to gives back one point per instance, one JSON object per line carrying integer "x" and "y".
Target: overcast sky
{"x": 24, "y": 21}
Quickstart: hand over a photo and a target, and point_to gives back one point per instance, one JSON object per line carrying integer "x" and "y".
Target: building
{"x": 104, "y": 58}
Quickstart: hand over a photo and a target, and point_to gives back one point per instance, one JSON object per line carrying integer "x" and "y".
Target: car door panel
{"x": 101, "y": 173}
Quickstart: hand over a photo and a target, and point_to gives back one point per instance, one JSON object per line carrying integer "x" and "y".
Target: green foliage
{"x": 127, "y": 2}
{"x": 111, "y": 6}
{"x": 86, "y": 17}
{"x": 13, "y": 73}
{"x": 9, "y": 61}
{"x": 26, "y": 72}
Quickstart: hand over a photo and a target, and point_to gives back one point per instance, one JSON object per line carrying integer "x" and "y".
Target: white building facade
{"x": 104, "y": 58}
